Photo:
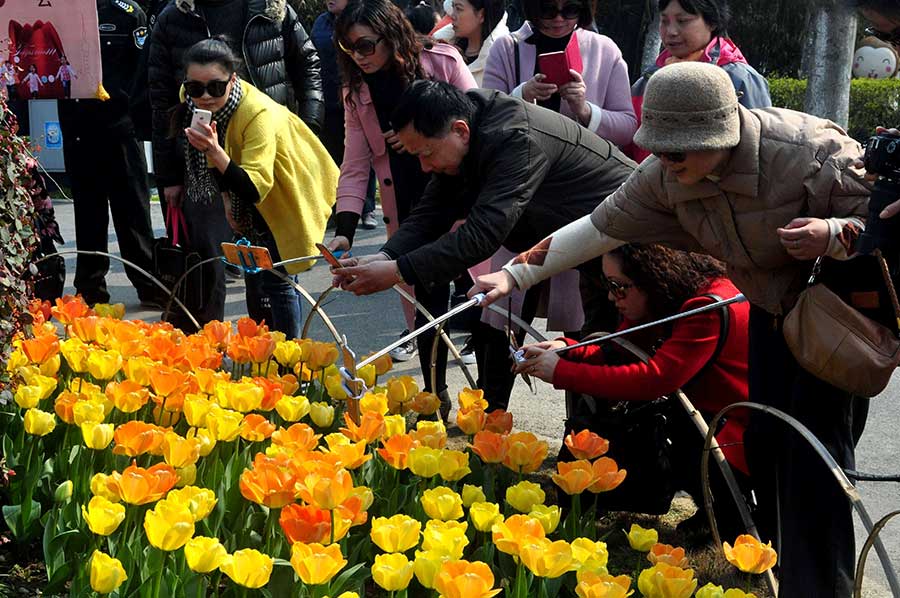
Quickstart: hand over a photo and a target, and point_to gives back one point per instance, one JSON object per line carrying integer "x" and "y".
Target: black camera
{"x": 882, "y": 158}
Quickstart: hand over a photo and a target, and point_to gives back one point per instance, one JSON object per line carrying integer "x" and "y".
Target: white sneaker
{"x": 369, "y": 221}
{"x": 468, "y": 351}
{"x": 406, "y": 351}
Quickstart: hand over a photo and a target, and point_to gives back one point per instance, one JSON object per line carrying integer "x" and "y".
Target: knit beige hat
{"x": 689, "y": 106}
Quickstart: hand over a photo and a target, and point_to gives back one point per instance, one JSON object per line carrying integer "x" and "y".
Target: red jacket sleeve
{"x": 691, "y": 345}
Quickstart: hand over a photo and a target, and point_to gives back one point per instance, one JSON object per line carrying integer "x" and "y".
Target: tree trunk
{"x": 652, "y": 40}
{"x": 832, "y": 31}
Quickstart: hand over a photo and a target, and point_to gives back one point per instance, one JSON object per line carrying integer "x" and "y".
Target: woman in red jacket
{"x": 646, "y": 283}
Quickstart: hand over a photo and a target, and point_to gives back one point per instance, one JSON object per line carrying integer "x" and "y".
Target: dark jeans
{"x": 207, "y": 229}
{"x": 800, "y": 503}
{"x": 492, "y": 345}
{"x": 272, "y": 298}
{"x": 437, "y": 303}
{"x": 109, "y": 174}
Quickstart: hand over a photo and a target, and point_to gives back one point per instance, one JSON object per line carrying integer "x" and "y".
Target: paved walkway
{"x": 373, "y": 322}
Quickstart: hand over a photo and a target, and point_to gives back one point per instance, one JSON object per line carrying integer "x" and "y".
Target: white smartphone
{"x": 200, "y": 117}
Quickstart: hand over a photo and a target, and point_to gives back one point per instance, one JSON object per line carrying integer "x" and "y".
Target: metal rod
{"x": 294, "y": 260}
{"x": 739, "y": 298}
{"x": 476, "y": 300}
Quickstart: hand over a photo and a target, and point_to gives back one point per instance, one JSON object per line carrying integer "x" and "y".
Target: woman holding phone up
{"x": 598, "y": 98}
{"x": 380, "y": 56}
{"x": 269, "y": 173}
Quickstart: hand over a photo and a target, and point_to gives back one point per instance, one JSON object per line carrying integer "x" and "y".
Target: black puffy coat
{"x": 278, "y": 54}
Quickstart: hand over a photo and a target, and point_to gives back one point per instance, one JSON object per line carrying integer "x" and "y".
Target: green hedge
{"x": 873, "y": 102}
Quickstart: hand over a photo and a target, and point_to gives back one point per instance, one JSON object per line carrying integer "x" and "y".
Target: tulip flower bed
{"x": 225, "y": 463}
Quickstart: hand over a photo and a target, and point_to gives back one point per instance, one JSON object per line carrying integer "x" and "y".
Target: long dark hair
{"x": 715, "y": 13}
{"x": 669, "y": 277}
{"x": 493, "y": 12}
{"x": 388, "y": 22}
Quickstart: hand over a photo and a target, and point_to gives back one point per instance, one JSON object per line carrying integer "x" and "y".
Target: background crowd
{"x": 443, "y": 113}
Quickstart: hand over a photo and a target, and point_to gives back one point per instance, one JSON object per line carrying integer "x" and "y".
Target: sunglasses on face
{"x": 363, "y": 46}
{"x": 196, "y": 89}
{"x": 618, "y": 289}
{"x": 674, "y": 157}
{"x": 568, "y": 11}
{"x": 892, "y": 37}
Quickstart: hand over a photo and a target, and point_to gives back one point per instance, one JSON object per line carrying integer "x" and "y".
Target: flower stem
{"x": 157, "y": 582}
{"x": 332, "y": 527}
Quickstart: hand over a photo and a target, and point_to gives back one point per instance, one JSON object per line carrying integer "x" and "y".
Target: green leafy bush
{"x": 873, "y": 102}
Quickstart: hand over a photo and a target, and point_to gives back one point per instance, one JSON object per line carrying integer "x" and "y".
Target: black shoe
{"x": 152, "y": 299}
{"x": 446, "y": 405}
{"x": 468, "y": 351}
{"x": 94, "y": 297}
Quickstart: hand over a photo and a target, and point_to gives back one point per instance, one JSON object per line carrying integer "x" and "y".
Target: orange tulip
{"x": 299, "y": 437}
{"x": 310, "y": 524}
{"x": 425, "y": 403}
{"x": 517, "y": 530}
{"x": 217, "y": 333}
{"x": 526, "y": 453}
{"x": 41, "y": 348}
{"x": 128, "y": 396}
{"x": 139, "y": 486}
{"x": 750, "y": 555}
{"x": 350, "y": 455}
{"x": 462, "y": 579}
{"x": 470, "y": 421}
{"x": 371, "y": 427}
{"x": 166, "y": 349}
{"x": 395, "y": 450}
{"x": 668, "y": 554}
{"x": 166, "y": 380}
{"x": 586, "y": 445}
{"x": 382, "y": 365}
{"x": 490, "y": 446}
{"x": 256, "y": 428}
{"x": 272, "y": 392}
{"x": 574, "y": 477}
{"x": 126, "y": 337}
{"x": 200, "y": 354}
{"x": 472, "y": 399}
{"x": 321, "y": 355}
{"x": 247, "y": 327}
{"x": 64, "y": 406}
{"x": 268, "y": 482}
{"x": 499, "y": 421}
{"x": 326, "y": 490}
{"x": 68, "y": 308}
{"x": 260, "y": 348}
{"x": 607, "y": 475}
{"x": 136, "y": 438}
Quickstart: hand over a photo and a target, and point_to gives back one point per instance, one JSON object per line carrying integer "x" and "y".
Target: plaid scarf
{"x": 200, "y": 185}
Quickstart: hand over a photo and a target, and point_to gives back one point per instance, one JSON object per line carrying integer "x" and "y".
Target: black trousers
{"x": 109, "y": 174}
{"x": 492, "y": 345}
{"x": 800, "y": 503}
{"x": 207, "y": 230}
{"x": 437, "y": 302}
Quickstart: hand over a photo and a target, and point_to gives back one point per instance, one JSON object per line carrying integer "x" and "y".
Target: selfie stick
{"x": 739, "y": 298}
{"x": 476, "y": 300}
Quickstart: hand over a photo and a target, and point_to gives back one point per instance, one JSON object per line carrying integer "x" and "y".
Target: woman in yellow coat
{"x": 275, "y": 179}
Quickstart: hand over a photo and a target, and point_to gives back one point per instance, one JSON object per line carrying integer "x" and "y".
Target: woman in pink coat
{"x": 598, "y": 98}
{"x": 380, "y": 55}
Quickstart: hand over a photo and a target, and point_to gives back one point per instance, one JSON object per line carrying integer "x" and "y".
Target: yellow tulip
{"x": 392, "y": 572}
{"x": 394, "y": 425}
{"x": 641, "y": 539}
{"x": 472, "y": 494}
{"x": 186, "y": 476}
{"x": 248, "y": 567}
{"x": 462, "y": 579}
{"x": 28, "y": 396}
{"x": 107, "y": 573}
{"x": 199, "y": 501}
{"x": 664, "y": 581}
{"x": 292, "y": 409}
{"x": 484, "y": 515}
{"x": 39, "y": 423}
{"x": 88, "y": 411}
{"x": 74, "y": 351}
{"x": 524, "y": 452}
{"x": 322, "y": 414}
{"x": 453, "y": 465}
{"x": 204, "y": 554}
{"x": 590, "y": 554}
{"x": 447, "y": 537}
{"x": 750, "y": 555}
{"x": 442, "y": 503}
{"x": 470, "y": 421}
{"x": 115, "y": 311}
{"x": 548, "y": 515}
{"x": 97, "y": 436}
{"x": 138, "y": 369}
{"x": 244, "y": 396}
{"x": 545, "y": 558}
{"x": 374, "y": 402}
{"x": 334, "y": 386}
{"x": 206, "y": 439}
{"x": 604, "y": 586}
{"x": 432, "y": 434}
{"x": 103, "y": 517}
{"x": 103, "y": 365}
{"x": 196, "y": 407}
{"x": 511, "y": 534}
{"x": 424, "y": 461}
{"x": 103, "y": 485}
{"x": 316, "y": 564}
{"x": 427, "y": 564}
{"x": 395, "y": 534}
{"x": 367, "y": 374}
{"x": 287, "y": 353}
{"x": 524, "y": 496}
{"x": 400, "y": 393}
{"x": 472, "y": 399}
{"x": 224, "y": 424}
{"x": 713, "y": 591}
{"x": 169, "y": 525}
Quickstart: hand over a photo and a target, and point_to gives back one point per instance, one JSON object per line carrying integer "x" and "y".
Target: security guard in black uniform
{"x": 106, "y": 162}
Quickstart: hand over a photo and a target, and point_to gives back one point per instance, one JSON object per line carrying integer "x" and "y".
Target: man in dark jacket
{"x": 514, "y": 171}
{"x": 278, "y": 59}
{"x": 106, "y": 162}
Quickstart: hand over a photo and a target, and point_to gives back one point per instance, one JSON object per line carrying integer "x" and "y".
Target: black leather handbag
{"x": 172, "y": 257}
